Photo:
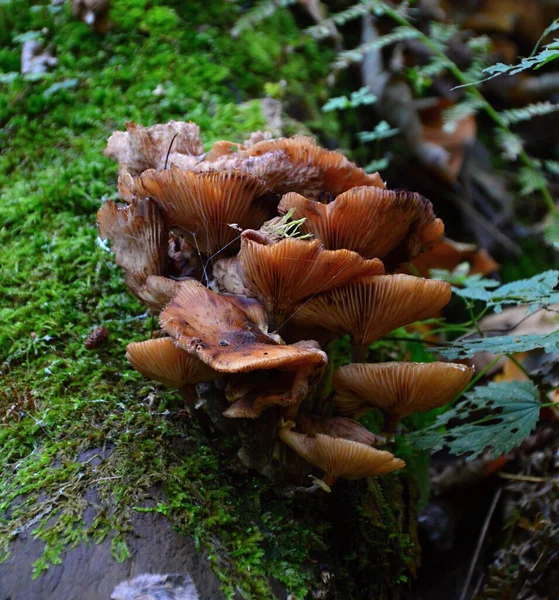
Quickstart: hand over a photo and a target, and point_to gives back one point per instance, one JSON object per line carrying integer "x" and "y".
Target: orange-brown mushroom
{"x": 204, "y": 206}
{"x": 282, "y": 274}
{"x": 161, "y": 360}
{"x": 338, "y": 174}
{"x": 140, "y": 148}
{"x": 374, "y": 306}
{"x": 337, "y": 427}
{"x": 397, "y": 388}
{"x": 139, "y": 238}
{"x": 214, "y": 328}
{"x": 285, "y": 387}
{"x": 340, "y": 458}
{"x": 369, "y": 220}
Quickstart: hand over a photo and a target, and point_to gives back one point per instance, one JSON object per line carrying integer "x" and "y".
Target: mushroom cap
{"x": 158, "y": 291}
{"x": 374, "y": 306}
{"x": 284, "y": 273}
{"x": 341, "y": 458}
{"x": 398, "y": 388}
{"x": 336, "y": 427}
{"x": 214, "y": 328}
{"x": 139, "y": 238}
{"x": 161, "y": 360}
{"x": 338, "y": 174}
{"x": 140, "y": 148}
{"x": 369, "y": 220}
{"x": 203, "y": 206}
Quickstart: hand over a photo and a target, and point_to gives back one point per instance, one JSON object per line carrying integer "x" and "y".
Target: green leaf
{"x": 377, "y": 165}
{"x": 530, "y": 180}
{"x": 503, "y": 344}
{"x": 361, "y": 97}
{"x": 380, "y": 132}
{"x": 537, "y": 290}
{"x": 498, "y": 416}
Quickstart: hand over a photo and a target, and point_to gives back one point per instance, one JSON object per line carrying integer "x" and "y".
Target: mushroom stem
{"x": 325, "y": 388}
{"x": 390, "y": 424}
{"x": 359, "y": 353}
{"x": 188, "y": 393}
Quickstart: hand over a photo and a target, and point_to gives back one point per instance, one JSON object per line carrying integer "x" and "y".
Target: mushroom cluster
{"x": 259, "y": 256}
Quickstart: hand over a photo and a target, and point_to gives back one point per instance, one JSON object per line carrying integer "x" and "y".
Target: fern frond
{"x": 356, "y": 55}
{"x": 453, "y": 115}
{"x": 530, "y": 180}
{"x": 515, "y": 115}
{"x": 258, "y": 13}
{"x": 510, "y": 144}
{"x": 324, "y": 29}
{"x": 377, "y": 165}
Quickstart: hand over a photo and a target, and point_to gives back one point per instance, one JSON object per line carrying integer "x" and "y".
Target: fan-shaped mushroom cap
{"x": 372, "y": 307}
{"x": 214, "y": 328}
{"x": 139, "y": 238}
{"x": 338, "y": 173}
{"x": 161, "y": 360}
{"x": 337, "y": 427}
{"x": 369, "y": 220}
{"x": 284, "y": 273}
{"x": 203, "y": 206}
{"x": 398, "y": 388}
{"x": 341, "y": 458}
{"x": 140, "y": 148}
{"x": 158, "y": 291}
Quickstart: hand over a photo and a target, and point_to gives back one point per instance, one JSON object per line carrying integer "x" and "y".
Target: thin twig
{"x": 527, "y": 478}
{"x": 480, "y": 542}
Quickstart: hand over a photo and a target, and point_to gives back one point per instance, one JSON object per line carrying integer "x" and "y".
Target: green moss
{"x": 59, "y": 400}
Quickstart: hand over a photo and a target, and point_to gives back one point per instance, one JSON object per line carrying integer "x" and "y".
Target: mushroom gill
{"x": 372, "y": 307}
{"x": 373, "y": 221}
{"x": 204, "y": 206}
{"x": 399, "y": 389}
{"x": 284, "y": 273}
{"x": 338, "y": 457}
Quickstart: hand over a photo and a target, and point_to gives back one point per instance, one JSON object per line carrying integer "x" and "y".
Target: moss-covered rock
{"x": 86, "y": 444}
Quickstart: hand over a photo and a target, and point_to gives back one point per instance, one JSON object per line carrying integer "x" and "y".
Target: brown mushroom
{"x": 372, "y": 307}
{"x": 398, "y": 388}
{"x": 369, "y": 220}
{"x": 140, "y": 148}
{"x": 337, "y": 427}
{"x": 340, "y": 458}
{"x": 139, "y": 238}
{"x": 285, "y": 387}
{"x": 204, "y": 206}
{"x": 284, "y": 273}
{"x": 338, "y": 173}
{"x": 161, "y": 360}
{"x": 215, "y": 329}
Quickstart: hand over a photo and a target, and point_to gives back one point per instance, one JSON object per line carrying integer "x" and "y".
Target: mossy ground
{"x": 58, "y": 399}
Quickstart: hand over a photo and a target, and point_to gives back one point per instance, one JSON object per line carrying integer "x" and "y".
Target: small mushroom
{"x": 399, "y": 389}
{"x": 161, "y": 360}
{"x": 369, "y": 220}
{"x": 340, "y": 458}
{"x": 337, "y": 427}
{"x": 284, "y": 273}
{"x": 215, "y": 329}
{"x": 139, "y": 238}
{"x": 372, "y": 307}
{"x": 202, "y": 206}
